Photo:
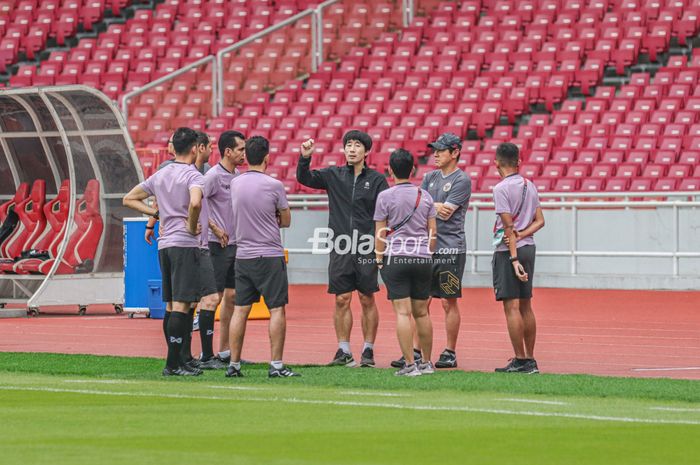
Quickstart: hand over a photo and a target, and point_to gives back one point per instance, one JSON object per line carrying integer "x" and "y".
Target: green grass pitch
{"x": 76, "y": 409}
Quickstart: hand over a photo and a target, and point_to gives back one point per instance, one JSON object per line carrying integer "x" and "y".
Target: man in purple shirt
{"x": 221, "y": 236}
{"x": 179, "y": 187}
{"x": 405, "y": 220}
{"x": 518, "y": 218}
{"x": 260, "y": 209}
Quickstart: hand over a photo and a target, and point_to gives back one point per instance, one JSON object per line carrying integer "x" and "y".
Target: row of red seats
{"x": 26, "y": 25}
{"x": 42, "y": 228}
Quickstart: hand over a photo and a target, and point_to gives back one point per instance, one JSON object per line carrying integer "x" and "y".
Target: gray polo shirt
{"x": 455, "y": 189}
{"x": 205, "y": 166}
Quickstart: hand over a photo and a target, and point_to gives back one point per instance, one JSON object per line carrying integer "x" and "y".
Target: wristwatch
{"x": 156, "y": 215}
{"x": 513, "y": 259}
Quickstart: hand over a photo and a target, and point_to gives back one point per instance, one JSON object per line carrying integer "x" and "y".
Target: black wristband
{"x": 513, "y": 259}
{"x": 156, "y": 215}
{"x": 150, "y": 227}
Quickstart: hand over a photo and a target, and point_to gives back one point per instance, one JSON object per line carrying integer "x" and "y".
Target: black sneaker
{"x": 192, "y": 363}
{"x": 342, "y": 359}
{"x": 212, "y": 363}
{"x": 367, "y": 359}
{"x": 515, "y": 365}
{"x": 233, "y": 372}
{"x": 448, "y": 359}
{"x": 400, "y": 363}
{"x": 283, "y": 372}
{"x": 180, "y": 371}
{"x": 225, "y": 360}
{"x": 531, "y": 367}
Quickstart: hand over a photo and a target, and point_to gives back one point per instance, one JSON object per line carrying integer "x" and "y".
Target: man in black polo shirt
{"x": 352, "y": 195}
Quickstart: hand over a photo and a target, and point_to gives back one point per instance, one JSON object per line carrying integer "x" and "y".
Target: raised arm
{"x": 314, "y": 179}
{"x": 135, "y": 200}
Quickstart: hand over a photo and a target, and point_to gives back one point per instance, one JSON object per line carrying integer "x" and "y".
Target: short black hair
{"x": 183, "y": 140}
{"x": 256, "y": 148}
{"x": 508, "y": 154}
{"x": 401, "y": 163}
{"x": 203, "y": 138}
{"x": 227, "y": 140}
{"x": 362, "y": 137}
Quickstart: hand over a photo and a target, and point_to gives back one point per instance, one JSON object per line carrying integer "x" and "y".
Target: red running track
{"x": 624, "y": 333}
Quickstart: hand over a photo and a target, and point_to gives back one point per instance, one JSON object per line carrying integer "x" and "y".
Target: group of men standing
{"x": 220, "y": 239}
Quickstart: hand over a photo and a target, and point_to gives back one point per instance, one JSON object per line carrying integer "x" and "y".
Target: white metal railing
{"x": 573, "y": 206}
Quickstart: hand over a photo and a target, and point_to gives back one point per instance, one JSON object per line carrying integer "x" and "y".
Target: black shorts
{"x": 180, "y": 272}
{"x": 266, "y": 276}
{"x": 407, "y": 277}
{"x": 447, "y": 275}
{"x": 223, "y": 259}
{"x": 207, "y": 277}
{"x": 347, "y": 273}
{"x": 506, "y": 284}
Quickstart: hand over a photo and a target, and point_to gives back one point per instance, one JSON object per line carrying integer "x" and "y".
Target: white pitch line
{"x": 101, "y": 381}
{"x": 675, "y": 409}
{"x": 237, "y": 388}
{"x": 293, "y": 400}
{"x": 533, "y": 401}
{"x": 368, "y": 393}
{"x": 667, "y": 369}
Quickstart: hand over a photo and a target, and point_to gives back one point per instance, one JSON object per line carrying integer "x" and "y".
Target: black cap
{"x": 447, "y": 141}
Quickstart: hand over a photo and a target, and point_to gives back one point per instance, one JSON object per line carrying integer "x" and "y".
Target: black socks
{"x": 206, "y": 332}
{"x": 179, "y": 325}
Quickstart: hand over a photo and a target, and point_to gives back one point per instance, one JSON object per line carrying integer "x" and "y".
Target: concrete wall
{"x": 649, "y": 229}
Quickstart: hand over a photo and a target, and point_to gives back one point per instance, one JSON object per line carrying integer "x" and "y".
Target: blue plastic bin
{"x": 156, "y": 305}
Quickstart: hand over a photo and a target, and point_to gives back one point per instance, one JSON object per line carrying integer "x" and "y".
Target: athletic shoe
{"x": 233, "y": 372}
{"x": 195, "y": 323}
{"x": 192, "y": 364}
{"x": 409, "y": 370}
{"x": 180, "y": 371}
{"x": 342, "y": 359}
{"x": 212, "y": 363}
{"x": 426, "y": 368}
{"x": 283, "y": 372}
{"x": 532, "y": 367}
{"x": 400, "y": 363}
{"x": 516, "y": 365}
{"x": 225, "y": 360}
{"x": 367, "y": 359}
{"x": 448, "y": 359}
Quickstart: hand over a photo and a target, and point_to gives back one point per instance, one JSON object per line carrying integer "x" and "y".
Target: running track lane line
{"x": 293, "y": 400}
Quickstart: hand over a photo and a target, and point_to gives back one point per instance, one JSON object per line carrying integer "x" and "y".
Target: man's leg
{"x": 370, "y": 323}
{"x": 166, "y": 318}
{"x": 225, "y": 314}
{"x": 237, "y": 332}
{"x": 207, "y": 315}
{"x": 424, "y": 327}
{"x": 278, "y": 331}
{"x": 402, "y": 308}
{"x": 452, "y": 322}
{"x": 514, "y": 322}
{"x": 529, "y": 327}
{"x": 342, "y": 320}
{"x": 186, "y": 352}
{"x": 178, "y": 327}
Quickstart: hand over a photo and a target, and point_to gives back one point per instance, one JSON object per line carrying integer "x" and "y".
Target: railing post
{"x": 574, "y": 238}
{"x": 475, "y": 237}
{"x": 318, "y": 44}
{"x": 408, "y": 12}
{"x": 676, "y": 238}
{"x": 316, "y": 31}
{"x": 125, "y": 108}
{"x": 214, "y": 88}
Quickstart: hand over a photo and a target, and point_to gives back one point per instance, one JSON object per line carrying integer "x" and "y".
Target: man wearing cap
{"x": 450, "y": 188}
{"x": 352, "y": 197}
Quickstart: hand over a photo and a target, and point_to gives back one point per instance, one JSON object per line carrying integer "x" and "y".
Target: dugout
{"x": 66, "y": 161}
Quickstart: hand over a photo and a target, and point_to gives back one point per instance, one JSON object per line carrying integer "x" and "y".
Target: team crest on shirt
{"x": 366, "y": 184}
{"x": 447, "y": 187}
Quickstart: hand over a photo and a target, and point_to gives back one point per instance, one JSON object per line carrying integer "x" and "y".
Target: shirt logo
{"x": 447, "y": 187}
{"x": 366, "y": 184}
{"x": 431, "y": 184}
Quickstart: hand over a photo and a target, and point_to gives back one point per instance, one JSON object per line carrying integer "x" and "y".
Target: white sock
{"x": 225, "y": 354}
{"x": 236, "y": 365}
{"x": 345, "y": 346}
{"x": 277, "y": 364}
{"x": 368, "y": 345}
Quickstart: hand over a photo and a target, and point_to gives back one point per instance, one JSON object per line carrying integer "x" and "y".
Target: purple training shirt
{"x": 394, "y": 205}
{"x": 171, "y": 185}
{"x": 507, "y": 197}
{"x": 255, "y": 199}
{"x": 217, "y": 184}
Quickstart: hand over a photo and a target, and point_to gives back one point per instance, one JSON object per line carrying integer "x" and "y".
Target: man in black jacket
{"x": 352, "y": 195}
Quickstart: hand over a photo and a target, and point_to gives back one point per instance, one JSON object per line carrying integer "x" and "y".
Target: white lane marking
{"x": 675, "y": 409}
{"x": 101, "y": 381}
{"x": 667, "y": 369}
{"x": 237, "y": 388}
{"x": 294, "y": 400}
{"x": 369, "y": 393}
{"x": 533, "y": 401}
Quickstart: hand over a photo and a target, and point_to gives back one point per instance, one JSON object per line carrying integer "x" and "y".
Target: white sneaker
{"x": 426, "y": 368}
{"x": 409, "y": 370}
